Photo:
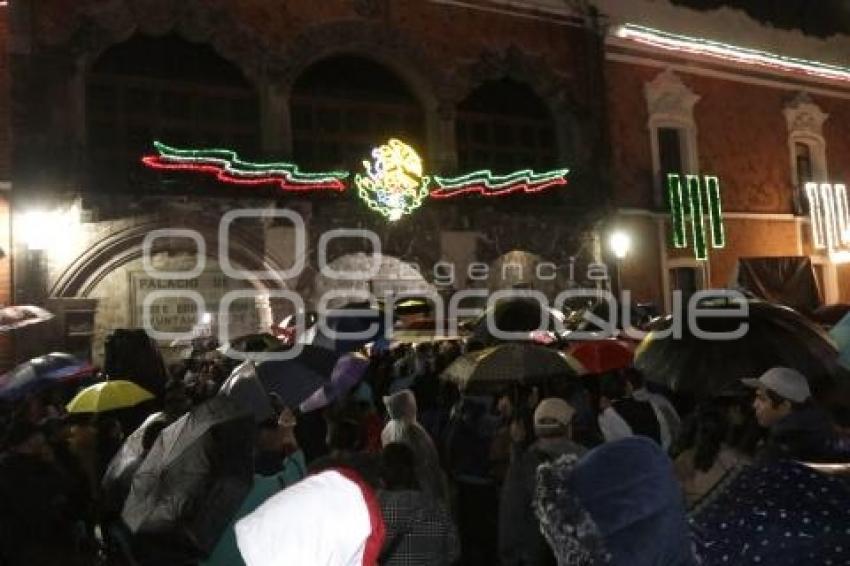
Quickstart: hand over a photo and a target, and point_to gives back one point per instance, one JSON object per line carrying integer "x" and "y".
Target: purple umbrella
{"x": 347, "y": 373}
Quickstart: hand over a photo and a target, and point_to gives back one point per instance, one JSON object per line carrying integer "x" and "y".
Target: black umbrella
{"x": 507, "y": 364}
{"x": 517, "y": 315}
{"x": 244, "y": 386}
{"x": 699, "y": 368}
{"x": 125, "y": 459}
{"x": 294, "y": 380}
{"x": 195, "y": 477}
{"x": 116, "y": 481}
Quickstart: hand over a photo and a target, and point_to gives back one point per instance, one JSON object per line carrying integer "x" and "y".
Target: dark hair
{"x": 612, "y": 385}
{"x": 398, "y": 467}
{"x": 711, "y": 429}
{"x": 634, "y": 376}
{"x": 344, "y": 435}
{"x": 19, "y": 431}
{"x": 776, "y": 399}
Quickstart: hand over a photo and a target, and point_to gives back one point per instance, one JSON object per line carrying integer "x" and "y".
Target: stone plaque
{"x": 181, "y": 314}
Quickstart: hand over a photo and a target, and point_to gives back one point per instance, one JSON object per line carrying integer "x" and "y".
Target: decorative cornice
{"x": 804, "y": 116}
{"x": 668, "y": 96}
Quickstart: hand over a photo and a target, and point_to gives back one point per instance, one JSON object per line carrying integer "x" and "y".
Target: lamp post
{"x": 620, "y": 244}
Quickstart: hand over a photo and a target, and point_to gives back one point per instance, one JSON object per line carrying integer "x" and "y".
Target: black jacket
{"x": 520, "y": 540}
{"x": 806, "y": 434}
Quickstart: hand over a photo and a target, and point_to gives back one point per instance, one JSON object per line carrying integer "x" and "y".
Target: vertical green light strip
{"x": 677, "y": 213}
{"x": 816, "y": 215}
{"x": 711, "y": 185}
{"x": 692, "y": 183}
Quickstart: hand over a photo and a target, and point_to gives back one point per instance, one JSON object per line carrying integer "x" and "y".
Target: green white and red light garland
{"x": 228, "y": 168}
{"x": 486, "y": 183}
{"x": 701, "y": 46}
{"x": 394, "y": 184}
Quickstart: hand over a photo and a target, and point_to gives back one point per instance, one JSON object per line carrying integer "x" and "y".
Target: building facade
{"x": 472, "y": 88}
{"x": 480, "y": 89}
{"x": 717, "y": 93}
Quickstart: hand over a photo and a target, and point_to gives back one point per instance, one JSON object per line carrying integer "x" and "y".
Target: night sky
{"x": 815, "y": 17}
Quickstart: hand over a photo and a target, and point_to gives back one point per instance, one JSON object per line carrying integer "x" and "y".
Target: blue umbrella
{"x": 359, "y": 318}
{"x": 295, "y": 379}
{"x": 780, "y": 513}
{"x": 43, "y": 371}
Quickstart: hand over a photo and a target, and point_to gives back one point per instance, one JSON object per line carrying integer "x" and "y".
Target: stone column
{"x": 275, "y": 120}
{"x": 442, "y": 142}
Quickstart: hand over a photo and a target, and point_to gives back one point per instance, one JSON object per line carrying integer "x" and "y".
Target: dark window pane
{"x": 670, "y": 151}
{"x": 803, "y": 155}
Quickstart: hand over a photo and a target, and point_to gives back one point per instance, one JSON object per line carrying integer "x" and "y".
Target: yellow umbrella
{"x": 107, "y": 396}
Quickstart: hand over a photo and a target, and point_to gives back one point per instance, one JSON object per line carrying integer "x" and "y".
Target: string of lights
{"x": 484, "y": 182}
{"x": 228, "y": 168}
{"x": 701, "y": 46}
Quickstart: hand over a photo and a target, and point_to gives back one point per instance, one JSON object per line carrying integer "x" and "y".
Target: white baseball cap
{"x": 552, "y": 413}
{"x": 786, "y": 382}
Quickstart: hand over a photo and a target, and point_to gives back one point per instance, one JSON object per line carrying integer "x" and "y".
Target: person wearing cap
{"x": 520, "y": 539}
{"x": 797, "y": 428}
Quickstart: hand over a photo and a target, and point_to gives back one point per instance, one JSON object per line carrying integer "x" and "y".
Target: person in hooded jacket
{"x": 419, "y": 528}
{"x": 403, "y": 427}
{"x": 619, "y": 504}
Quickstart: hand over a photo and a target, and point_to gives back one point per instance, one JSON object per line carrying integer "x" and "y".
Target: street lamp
{"x": 620, "y": 245}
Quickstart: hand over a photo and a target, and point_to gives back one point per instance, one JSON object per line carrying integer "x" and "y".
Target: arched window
{"x": 807, "y": 146}
{"x": 504, "y": 126}
{"x": 169, "y": 89}
{"x": 344, "y": 106}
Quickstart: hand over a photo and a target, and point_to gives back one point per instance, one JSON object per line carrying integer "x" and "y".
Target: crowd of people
{"x": 405, "y": 469}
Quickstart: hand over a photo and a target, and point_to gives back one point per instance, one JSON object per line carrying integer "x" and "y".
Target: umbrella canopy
{"x": 249, "y": 344}
{"x": 776, "y": 336}
{"x": 14, "y": 317}
{"x": 506, "y": 364}
{"x": 294, "y": 380}
{"x": 195, "y": 477}
{"x": 516, "y": 315}
{"x": 108, "y": 396}
{"x": 778, "y": 513}
{"x": 599, "y": 356}
{"x": 244, "y": 386}
{"x": 37, "y": 373}
{"x": 840, "y": 335}
{"x": 830, "y": 315}
{"x": 413, "y": 306}
{"x": 361, "y": 319}
{"x": 347, "y": 373}
{"x": 130, "y": 450}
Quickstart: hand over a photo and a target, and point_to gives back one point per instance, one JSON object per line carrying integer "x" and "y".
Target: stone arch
{"x": 553, "y": 88}
{"x": 96, "y": 27}
{"x": 374, "y": 41}
{"x": 122, "y": 246}
{"x": 386, "y": 46}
